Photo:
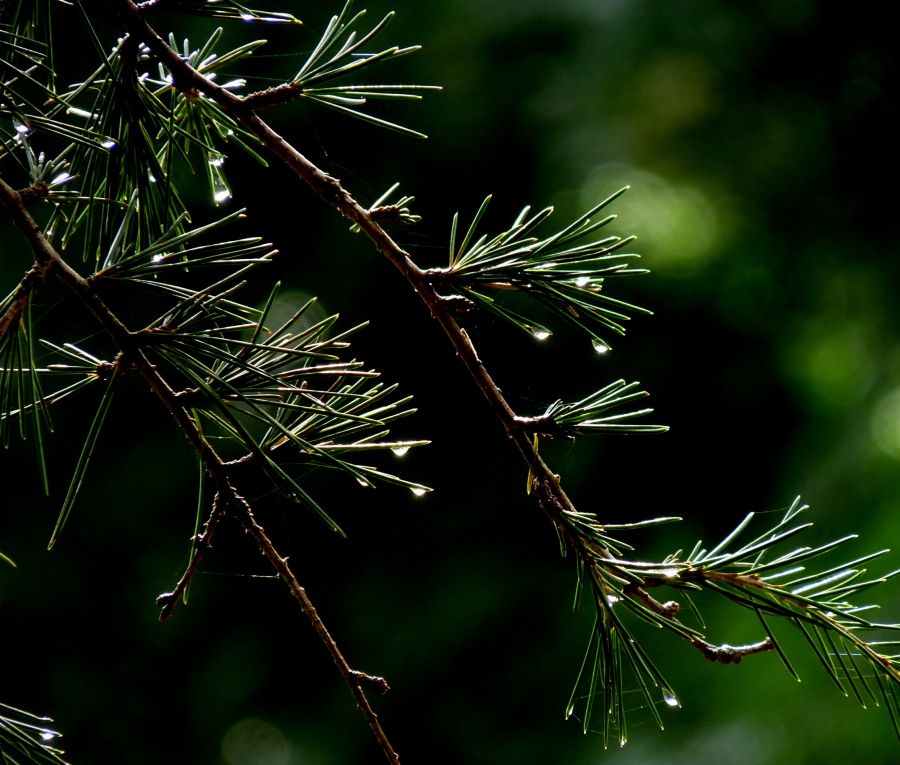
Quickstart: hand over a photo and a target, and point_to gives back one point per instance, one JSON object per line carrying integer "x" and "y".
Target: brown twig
{"x": 354, "y": 679}
{"x": 731, "y": 654}
{"x": 669, "y": 609}
{"x": 202, "y": 545}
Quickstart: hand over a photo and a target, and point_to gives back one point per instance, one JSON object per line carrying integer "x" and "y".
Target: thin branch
{"x": 669, "y": 609}
{"x": 799, "y": 605}
{"x": 354, "y": 679}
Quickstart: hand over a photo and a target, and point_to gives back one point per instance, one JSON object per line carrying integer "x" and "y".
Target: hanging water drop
{"x": 109, "y": 144}
{"x": 599, "y": 346}
{"x": 60, "y": 178}
{"x": 671, "y": 699}
{"x": 612, "y": 598}
{"x": 246, "y": 17}
{"x": 364, "y": 483}
{"x": 400, "y": 451}
{"x": 419, "y": 491}
{"x": 20, "y": 127}
{"x": 49, "y": 735}
{"x": 158, "y": 257}
{"x": 541, "y": 334}
{"x": 622, "y": 741}
{"x": 221, "y": 192}
{"x": 582, "y": 281}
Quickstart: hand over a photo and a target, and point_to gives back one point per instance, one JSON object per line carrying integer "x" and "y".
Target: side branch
{"x": 731, "y": 654}
{"x": 355, "y": 679}
{"x": 203, "y": 543}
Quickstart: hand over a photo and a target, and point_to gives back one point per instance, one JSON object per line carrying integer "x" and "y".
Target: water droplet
{"x": 622, "y": 741}
{"x": 612, "y": 599}
{"x": 400, "y": 451}
{"x": 669, "y": 573}
{"x": 20, "y": 127}
{"x": 151, "y": 177}
{"x": 247, "y": 17}
{"x": 671, "y": 699}
{"x": 60, "y": 178}
{"x": 364, "y": 483}
{"x": 541, "y": 334}
{"x": 109, "y": 144}
{"x": 599, "y": 346}
{"x": 49, "y": 735}
{"x": 419, "y": 491}
{"x": 221, "y": 193}
{"x": 158, "y": 257}
{"x": 582, "y": 281}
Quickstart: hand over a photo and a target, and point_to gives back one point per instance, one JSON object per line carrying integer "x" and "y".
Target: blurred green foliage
{"x": 760, "y": 143}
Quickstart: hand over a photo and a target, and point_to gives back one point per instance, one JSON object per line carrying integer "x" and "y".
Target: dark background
{"x": 760, "y": 143}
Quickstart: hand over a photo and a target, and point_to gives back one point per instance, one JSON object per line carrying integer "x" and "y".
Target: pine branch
{"x": 246, "y": 387}
{"x": 514, "y": 260}
{"x": 228, "y": 499}
{"x": 562, "y": 272}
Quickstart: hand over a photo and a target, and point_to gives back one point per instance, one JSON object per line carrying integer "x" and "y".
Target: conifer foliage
{"x": 91, "y": 164}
